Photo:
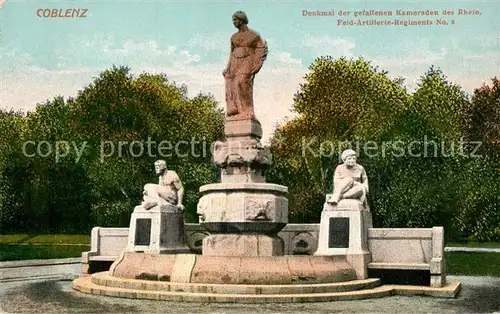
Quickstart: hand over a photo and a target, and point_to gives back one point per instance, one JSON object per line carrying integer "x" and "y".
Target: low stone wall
{"x": 107, "y": 243}
{"x": 393, "y": 249}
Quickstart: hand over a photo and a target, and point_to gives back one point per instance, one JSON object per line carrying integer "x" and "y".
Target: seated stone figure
{"x": 169, "y": 189}
{"x": 349, "y": 180}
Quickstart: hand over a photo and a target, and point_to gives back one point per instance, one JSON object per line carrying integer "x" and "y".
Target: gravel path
{"x": 478, "y": 295}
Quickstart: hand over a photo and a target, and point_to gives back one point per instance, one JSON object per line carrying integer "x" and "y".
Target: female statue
{"x": 248, "y": 52}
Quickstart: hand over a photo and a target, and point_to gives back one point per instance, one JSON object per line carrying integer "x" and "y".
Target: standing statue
{"x": 349, "y": 180}
{"x": 169, "y": 189}
{"x": 248, "y": 52}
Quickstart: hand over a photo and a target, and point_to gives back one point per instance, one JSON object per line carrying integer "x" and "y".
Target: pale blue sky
{"x": 189, "y": 41}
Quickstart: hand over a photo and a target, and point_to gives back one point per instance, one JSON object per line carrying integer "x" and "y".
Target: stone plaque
{"x": 338, "y": 232}
{"x": 143, "y": 231}
{"x": 172, "y": 233}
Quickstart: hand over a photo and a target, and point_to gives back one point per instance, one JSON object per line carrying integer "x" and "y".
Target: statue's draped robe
{"x": 248, "y": 52}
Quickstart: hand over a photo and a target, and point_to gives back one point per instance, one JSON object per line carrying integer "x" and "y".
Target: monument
{"x": 346, "y": 217}
{"x": 243, "y": 213}
{"x": 243, "y": 257}
{"x": 157, "y": 225}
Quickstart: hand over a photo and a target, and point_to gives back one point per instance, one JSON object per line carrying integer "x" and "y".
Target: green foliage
{"x": 12, "y": 128}
{"x": 481, "y": 121}
{"x": 420, "y": 176}
{"x": 343, "y": 101}
{"x": 437, "y": 108}
{"x": 108, "y": 121}
{"x": 26, "y": 252}
{"x": 478, "y": 208}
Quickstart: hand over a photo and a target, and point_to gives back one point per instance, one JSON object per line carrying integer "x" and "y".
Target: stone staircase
{"x": 104, "y": 284}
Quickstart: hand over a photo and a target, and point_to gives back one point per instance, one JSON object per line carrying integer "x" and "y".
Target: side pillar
{"x": 344, "y": 231}
{"x": 159, "y": 230}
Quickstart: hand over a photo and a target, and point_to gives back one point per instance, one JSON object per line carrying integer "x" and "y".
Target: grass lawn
{"x": 476, "y": 244}
{"x": 473, "y": 263}
{"x": 44, "y": 246}
{"x": 22, "y": 252}
{"x": 46, "y": 238}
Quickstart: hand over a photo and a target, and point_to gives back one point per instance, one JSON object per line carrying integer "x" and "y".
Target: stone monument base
{"x": 159, "y": 230}
{"x": 242, "y": 245}
{"x": 243, "y": 128}
{"x": 191, "y": 268}
{"x": 344, "y": 232}
{"x": 344, "y": 204}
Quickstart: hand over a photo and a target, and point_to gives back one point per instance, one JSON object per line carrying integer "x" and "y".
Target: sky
{"x": 41, "y": 57}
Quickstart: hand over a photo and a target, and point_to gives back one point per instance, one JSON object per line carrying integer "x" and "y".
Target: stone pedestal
{"x": 159, "y": 230}
{"x": 243, "y": 218}
{"x": 243, "y": 213}
{"x": 243, "y": 129}
{"x": 344, "y": 231}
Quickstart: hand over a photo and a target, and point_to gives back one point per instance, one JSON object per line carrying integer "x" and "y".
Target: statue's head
{"x": 349, "y": 157}
{"x": 239, "y": 19}
{"x": 160, "y": 166}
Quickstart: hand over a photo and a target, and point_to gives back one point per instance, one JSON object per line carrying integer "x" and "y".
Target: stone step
{"x": 103, "y": 279}
{"x": 85, "y": 285}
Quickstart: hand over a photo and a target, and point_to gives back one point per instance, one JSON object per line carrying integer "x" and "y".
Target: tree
{"x": 342, "y": 102}
{"x": 113, "y": 127}
{"x": 479, "y": 204}
{"x": 420, "y": 187}
{"x": 481, "y": 121}
{"x": 12, "y": 129}
{"x": 116, "y": 108}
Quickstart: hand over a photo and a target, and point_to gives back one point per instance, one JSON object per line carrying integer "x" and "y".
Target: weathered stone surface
{"x": 265, "y": 270}
{"x": 166, "y": 230}
{"x": 143, "y": 266}
{"x": 403, "y": 246}
{"x": 344, "y": 204}
{"x": 332, "y": 268}
{"x": 359, "y": 223}
{"x": 243, "y": 130}
{"x": 243, "y": 202}
{"x": 271, "y": 270}
{"x": 183, "y": 267}
{"x": 303, "y": 243}
{"x": 244, "y": 152}
{"x": 256, "y": 294}
{"x": 301, "y": 269}
{"x": 356, "y": 252}
{"x": 242, "y": 245}
{"x": 215, "y": 269}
